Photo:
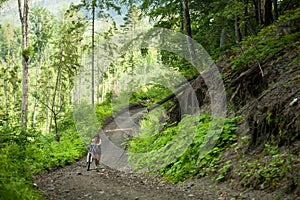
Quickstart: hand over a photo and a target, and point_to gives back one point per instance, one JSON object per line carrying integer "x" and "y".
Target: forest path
{"x": 74, "y": 182}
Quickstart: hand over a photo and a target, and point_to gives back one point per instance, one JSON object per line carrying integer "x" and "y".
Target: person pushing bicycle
{"x": 97, "y": 149}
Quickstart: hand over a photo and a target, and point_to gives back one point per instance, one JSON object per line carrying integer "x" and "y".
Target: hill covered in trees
{"x": 76, "y": 74}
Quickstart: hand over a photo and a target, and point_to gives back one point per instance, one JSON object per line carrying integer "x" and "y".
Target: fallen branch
{"x": 254, "y": 68}
{"x": 120, "y": 129}
{"x": 168, "y": 98}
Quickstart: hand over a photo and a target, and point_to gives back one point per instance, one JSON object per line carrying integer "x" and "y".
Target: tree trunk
{"x": 260, "y": 11}
{"x": 109, "y": 78}
{"x": 164, "y": 100}
{"x": 268, "y": 12}
{"x": 188, "y": 29}
{"x": 255, "y": 3}
{"x": 187, "y": 19}
{"x": 7, "y": 100}
{"x": 237, "y": 30}
{"x": 47, "y": 126}
{"x": 98, "y": 72}
{"x": 103, "y": 88}
{"x": 182, "y": 18}
{"x": 54, "y": 113}
{"x": 246, "y": 19}
{"x": 115, "y": 87}
{"x": 25, "y": 61}
{"x": 222, "y": 37}
{"x": 37, "y": 72}
{"x": 93, "y": 51}
{"x": 275, "y": 5}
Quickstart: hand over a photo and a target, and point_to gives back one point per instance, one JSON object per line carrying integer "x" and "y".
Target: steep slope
{"x": 262, "y": 80}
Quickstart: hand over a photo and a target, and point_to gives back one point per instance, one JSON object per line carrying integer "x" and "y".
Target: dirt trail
{"x": 74, "y": 182}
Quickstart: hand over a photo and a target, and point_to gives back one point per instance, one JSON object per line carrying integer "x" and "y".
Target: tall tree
{"x": 40, "y": 30}
{"x": 66, "y": 62}
{"x": 93, "y": 51}
{"x": 24, "y": 13}
{"x": 96, "y": 7}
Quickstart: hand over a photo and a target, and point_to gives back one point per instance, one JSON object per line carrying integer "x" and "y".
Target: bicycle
{"x": 93, "y": 150}
{"x": 90, "y": 155}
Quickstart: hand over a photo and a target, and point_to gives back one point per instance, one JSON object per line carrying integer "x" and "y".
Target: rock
{"x": 293, "y": 102}
{"x": 86, "y": 195}
{"x": 262, "y": 186}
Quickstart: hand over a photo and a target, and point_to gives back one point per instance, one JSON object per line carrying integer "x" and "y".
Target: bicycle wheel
{"x": 89, "y": 160}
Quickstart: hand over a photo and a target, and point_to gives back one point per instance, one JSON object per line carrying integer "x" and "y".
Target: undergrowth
{"x": 178, "y": 152}
{"x": 269, "y": 169}
{"x": 22, "y": 156}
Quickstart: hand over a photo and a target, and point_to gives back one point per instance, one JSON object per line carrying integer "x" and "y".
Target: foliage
{"x": 27, "y": 53}
{"x": 24, "y": 155}
{"x": 151, "y": 92}
{"x": 269, "y": 169}
{"x": 268, "y": 41}
{"x": 104, "y": 109}
{"x": 47, "y": 154}
{"x": 146, "y": 95}
{"x": 9, "y": 40}
{"x": 40, "y": 29}
{"x": 15, "y": 182}
{"x": 1, "y": 2}
{"x": 222, "y": 172}
{"x": 146, "y": 149}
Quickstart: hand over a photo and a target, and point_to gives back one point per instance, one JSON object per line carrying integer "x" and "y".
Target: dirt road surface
{"x": 74, "y": 182}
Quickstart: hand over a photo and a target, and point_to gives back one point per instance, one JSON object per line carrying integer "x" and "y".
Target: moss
{"x": 296, "y": 78}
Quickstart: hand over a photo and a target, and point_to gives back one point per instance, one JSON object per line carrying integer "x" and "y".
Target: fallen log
{"x": 168, "y": 98}
{"x": 120, "y": 129}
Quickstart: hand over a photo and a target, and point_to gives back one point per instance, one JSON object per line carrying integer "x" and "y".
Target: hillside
{"x": 262, "y": 81}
